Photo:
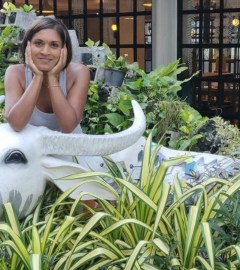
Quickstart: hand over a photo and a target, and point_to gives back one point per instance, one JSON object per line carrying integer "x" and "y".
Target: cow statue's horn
{"x": 57, "y": 143}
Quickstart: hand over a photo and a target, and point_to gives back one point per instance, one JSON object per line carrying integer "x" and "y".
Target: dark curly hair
{"x": 48, "y": 23}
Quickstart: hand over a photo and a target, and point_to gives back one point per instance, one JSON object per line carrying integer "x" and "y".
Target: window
{"x": 209, "y": 33}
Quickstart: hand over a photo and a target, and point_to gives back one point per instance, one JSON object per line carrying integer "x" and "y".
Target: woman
{"x": 48, "y": 89}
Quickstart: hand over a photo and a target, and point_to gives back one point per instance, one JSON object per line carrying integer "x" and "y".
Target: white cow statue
{"x": 30, "y": 158}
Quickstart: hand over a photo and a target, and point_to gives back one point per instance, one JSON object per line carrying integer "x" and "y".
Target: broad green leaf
{"x": 135, "y": 254}
{"x": 204, "y": 263}
{"x": 36, "y": 242}
{"x": 98, "y": 252}
{"x": 35, "y": 262}
{"x": 208, "y": 242}
{"x": 61, "y": 233}
{"x": 114, "y": 118}
{"x": 193, "y": 224}
{"x": 12, "y": 219}
{"x": 162, "y": 245}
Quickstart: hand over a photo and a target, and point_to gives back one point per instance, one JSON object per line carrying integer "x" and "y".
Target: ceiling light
{"x": 147, "y": 4}
{"x": 46, "y": 8}
{"x": 114, "y": 27}
{"x": 235, "y": 22}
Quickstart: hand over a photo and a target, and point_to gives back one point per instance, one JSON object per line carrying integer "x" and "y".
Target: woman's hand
{"x": 60, "y": 64}
{"x": 29, "y": 61}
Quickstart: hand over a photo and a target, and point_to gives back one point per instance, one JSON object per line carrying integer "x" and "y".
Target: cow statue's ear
{"x": 56, "y": 169}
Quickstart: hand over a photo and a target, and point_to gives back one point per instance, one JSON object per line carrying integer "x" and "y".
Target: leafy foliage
{"x": 8, "y": 7}
{"x": 8, "y": 40}
{"x": 151, "y": 225}
{"x": 150, "y": 90}
{"x": 221, "y": 137}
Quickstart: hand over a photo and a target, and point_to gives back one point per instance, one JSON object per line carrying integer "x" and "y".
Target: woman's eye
{"x": 55, "y": 45}
{"x": 38, "y": 43}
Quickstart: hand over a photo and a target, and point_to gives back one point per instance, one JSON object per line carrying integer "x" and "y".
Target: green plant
{"x": 151, "y": 225}
{"x": 106, "y": 111}
{"x": 90, "y": 43}
{"x": 186, "y": 137}
{"x": 226, "y": 224}
{"x": 155, "y": 87}
{"x": 118, "y": 63}
{"x": 8, "y": 8}
{"x": 150, "y": 90}
{"x": 27, "y": 8}
{"x": 8, "y": 39}
{"x": 111, "y": 60}
{"x": 220, "y": 137}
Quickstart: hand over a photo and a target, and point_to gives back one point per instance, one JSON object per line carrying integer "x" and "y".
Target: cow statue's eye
{"x": 15, "y": 156}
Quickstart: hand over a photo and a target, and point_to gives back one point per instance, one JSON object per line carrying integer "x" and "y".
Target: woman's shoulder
{"x": 16, "y": 69}
{"x": 77, "y": 68}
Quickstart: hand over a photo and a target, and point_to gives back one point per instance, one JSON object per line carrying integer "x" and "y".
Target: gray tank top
{"x": 40, "y": 118}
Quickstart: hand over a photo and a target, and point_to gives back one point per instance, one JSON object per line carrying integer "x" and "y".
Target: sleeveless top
{"x": 40, "y": 118}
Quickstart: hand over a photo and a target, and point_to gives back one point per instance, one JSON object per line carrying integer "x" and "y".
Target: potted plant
{"x": 21, "y": 16}
{"x": 93, "y": 56}
{"x": 151, "y": 225}
{"x": 10, "y": 10}
{"x": 27, "y": 8}
{"x": 115, "y": 69}
{"x": 2, "y": 17}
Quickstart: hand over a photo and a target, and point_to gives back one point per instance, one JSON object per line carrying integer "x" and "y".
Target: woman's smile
{"x": 46, "y": 48}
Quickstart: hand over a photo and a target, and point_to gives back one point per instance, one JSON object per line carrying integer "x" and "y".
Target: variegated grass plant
{"x": 151, "y": 225}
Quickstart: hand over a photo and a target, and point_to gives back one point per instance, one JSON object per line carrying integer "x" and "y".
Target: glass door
{"x": 209, "y": 32}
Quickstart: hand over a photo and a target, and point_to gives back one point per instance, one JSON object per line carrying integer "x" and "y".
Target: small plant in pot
{"x": 115, "y": 69}
{"x": 10, "y": 10}
{"x": 27, "y": 8}
{"x": 2, "y": 17}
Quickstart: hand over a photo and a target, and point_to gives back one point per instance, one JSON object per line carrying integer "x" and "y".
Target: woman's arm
{"x": 69, "y": 111}
{"x": 19, "y": 104}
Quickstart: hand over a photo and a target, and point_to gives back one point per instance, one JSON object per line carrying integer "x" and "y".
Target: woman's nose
{"x": 45, "y": 49}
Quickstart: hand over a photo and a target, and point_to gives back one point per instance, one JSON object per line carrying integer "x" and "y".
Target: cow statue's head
{"x": 30, "y": 157}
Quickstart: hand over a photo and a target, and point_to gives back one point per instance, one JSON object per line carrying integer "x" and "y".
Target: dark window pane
{"x": 141, "y": 58}
{"x": 190, "y": 4}
{"x": 78, "y": 25}
{"x": 210, "y": 23}
{"x": 231, "y": 30}
{"x": 109, "y": 6}
{"x": 126, "y": 30}
{"x": 93, "y": 29}
{"x": 141, "y": 30}
{"x": 129, "y": 53}
{"x": 126, "y": 6}
{"x": 62, "y": 8}
{"x": 77, "y": 6}
{"x": 109, "y": 34}
{"x": 93, "y": 6}
{"x": 231, "y": 4}
{"x": 191, "y": 58}
{"x": 211, "y": 5}
{"x": 144, "y": 5}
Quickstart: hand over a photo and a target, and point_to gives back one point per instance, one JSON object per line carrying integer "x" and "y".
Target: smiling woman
{"x": 47, "y": 89}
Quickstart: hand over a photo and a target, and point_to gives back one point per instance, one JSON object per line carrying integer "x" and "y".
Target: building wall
{"x": 164, "y": 32}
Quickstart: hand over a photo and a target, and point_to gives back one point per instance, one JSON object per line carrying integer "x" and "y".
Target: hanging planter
{"x": 21, "y": 17}
{"x": 2, "y": 18}
{"x": 115, "y": 69}
{"x": 114, "y": 77}
{"x": 86, "y": 58}
{"x": 12, "y": 17}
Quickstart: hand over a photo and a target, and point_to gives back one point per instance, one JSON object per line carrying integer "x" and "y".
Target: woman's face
{"x": 46, "y": 48}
